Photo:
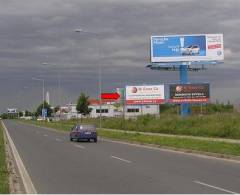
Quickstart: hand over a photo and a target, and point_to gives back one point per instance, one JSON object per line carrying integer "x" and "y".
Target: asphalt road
{"x": 57, "y": 165}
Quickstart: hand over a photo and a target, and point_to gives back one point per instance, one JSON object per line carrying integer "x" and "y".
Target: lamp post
{"x": 79, "y": 30}
{"x": 38, "y": 79}
{"x": 59, "y": 84}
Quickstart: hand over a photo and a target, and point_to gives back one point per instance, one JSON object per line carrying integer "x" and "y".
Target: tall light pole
{"x": 59, "y": 84}
{"x": 79, "y": 30}
{"x": 38, "y": 79}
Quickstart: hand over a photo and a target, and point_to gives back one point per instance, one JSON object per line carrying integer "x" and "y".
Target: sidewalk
{"x": 236, "y": 141}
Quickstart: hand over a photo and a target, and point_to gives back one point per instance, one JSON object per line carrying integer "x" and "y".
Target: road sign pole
{"x": 184, "y": 80}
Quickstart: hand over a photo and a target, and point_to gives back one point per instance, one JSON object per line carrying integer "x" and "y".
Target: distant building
{"x": 48, "y": 97}
{"x": 109, "y": 108}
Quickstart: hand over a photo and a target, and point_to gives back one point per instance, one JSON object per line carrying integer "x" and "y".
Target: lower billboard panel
{"x": 189, "y": 93}
{"x": 200, "y": 100}
{"x": 145, "y": 94}
{"x": 146, "y": 101}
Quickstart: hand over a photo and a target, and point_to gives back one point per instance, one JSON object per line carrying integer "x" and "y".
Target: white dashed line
{"x": 124, "y": 160}
{"x": 79, "y": 146}
{"x": 45, "y": 135}
{"x": 215, "y": 187}
{"x": 57, "y": 139}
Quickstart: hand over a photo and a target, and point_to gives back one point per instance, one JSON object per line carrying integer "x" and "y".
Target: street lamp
{"x": 59, "y": 83}
{"x": 38, "y": 79}
{"x": 79, "y": 30}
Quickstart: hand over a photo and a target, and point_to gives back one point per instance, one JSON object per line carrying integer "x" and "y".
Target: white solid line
{"x": 215, "y": 187}
{"x": 27, "y": 182}
{"x": 79, "y": 146}
{"x": 170, "y": 150}
{"x": 124, "y": 160}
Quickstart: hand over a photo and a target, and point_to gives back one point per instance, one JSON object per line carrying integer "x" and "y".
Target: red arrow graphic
{"x": 112, "y": 96}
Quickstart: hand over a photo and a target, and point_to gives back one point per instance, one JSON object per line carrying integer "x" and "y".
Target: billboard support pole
{"x": 183, "y": 80}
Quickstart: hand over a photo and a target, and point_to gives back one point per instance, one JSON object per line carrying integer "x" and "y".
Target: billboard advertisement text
{"x": 189, "y": 93}
{"x": 145, "y": 94}
{"x": 187, "y": 48}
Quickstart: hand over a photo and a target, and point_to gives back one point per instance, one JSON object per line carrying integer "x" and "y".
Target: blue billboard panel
{"x": 174, "y": 48}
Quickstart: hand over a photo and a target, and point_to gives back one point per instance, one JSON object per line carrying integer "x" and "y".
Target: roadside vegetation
{"x": 226, "y": 125}
{"x": 4, "y": 185}
{"x": 176, "y": 142}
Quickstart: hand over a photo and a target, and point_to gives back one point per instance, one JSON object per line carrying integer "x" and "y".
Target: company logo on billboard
{"x": 215, "y": 46}
{"x": 179, "y": 88}
{"x": 219, "y": 53}
{"x": 144, "y": 89}
{"x": 134, "y": 90}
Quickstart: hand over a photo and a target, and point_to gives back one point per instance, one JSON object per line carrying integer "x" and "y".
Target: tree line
{"x": 82, "y": 108}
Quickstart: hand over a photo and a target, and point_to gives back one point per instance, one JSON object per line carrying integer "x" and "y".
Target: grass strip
{"x": 175, "y": 142}
{"x": 4, "y": 185}
{"x": 222, "y": 125}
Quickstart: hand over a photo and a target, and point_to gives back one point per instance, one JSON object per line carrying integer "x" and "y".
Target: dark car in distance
{"x": 83, "y": 132}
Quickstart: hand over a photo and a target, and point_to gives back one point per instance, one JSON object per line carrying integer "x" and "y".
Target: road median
{"x": 4, "y": 171}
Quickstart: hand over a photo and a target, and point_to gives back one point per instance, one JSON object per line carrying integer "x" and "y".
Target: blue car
{"x": 83, "y": 132}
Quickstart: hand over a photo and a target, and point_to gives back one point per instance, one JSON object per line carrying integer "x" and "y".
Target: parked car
{"x": 83, "y": 132}
{"x": 190, "y": 50}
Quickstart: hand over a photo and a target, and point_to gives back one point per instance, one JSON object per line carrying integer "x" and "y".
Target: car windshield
{"x": 84, "y": 127}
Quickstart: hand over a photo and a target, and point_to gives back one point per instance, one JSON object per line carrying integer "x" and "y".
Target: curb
{"x": 14, "y": 179}
{"x": 28, "y": 185}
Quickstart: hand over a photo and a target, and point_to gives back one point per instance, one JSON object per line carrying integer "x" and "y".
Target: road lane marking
{"x": 124, "y": 160}
{"x": 45, "y": 135}
{"x": 215, "y": 187}
{"x": 27, "y": 182}
{"x": 79, "y": 146}
{"x": 57, "y": 139}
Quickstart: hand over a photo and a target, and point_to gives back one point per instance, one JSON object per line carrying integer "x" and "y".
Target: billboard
{"x": 189, "y": 93}
{"x": 145, "y": 94}
{"x": 187, "y": 48}
{"x": 11, "y": 110}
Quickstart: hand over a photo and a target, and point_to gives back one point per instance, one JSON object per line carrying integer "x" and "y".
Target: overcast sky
{"x": 34, "y": 32}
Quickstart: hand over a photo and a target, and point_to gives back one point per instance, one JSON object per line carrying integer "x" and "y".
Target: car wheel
{"x": 95, "y": 139}
{"x": 71, "y": 139}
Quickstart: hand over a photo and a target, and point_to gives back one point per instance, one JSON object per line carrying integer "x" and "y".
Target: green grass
{"x": 4, "y": 187}
{"x": 175, "y": 142}
{"x": 225, "y": 125}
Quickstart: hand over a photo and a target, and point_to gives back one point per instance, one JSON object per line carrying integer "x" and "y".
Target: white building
{"x": 137, "y": 110}
{"x": 109, "y": 109}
